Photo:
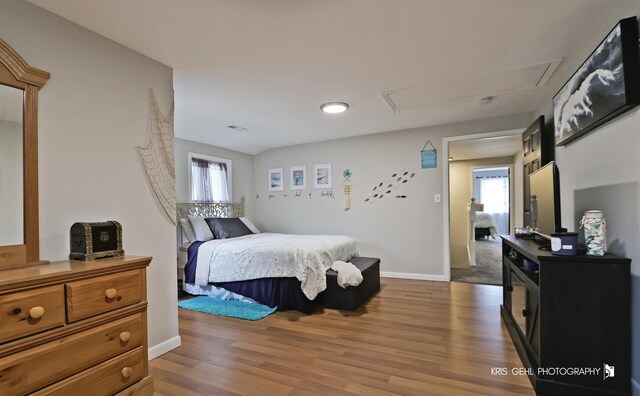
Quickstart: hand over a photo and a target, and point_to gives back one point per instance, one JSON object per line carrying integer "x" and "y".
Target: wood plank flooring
{"x": 413, "y": 338}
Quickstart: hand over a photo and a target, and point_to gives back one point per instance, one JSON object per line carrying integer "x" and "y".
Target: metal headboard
{"x": 211, "y": 209}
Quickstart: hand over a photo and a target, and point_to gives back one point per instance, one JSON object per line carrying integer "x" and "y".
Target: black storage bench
{"x": 351, "y": 298}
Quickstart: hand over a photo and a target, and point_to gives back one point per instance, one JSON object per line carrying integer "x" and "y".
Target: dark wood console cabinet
{"x": 571, "y": 313}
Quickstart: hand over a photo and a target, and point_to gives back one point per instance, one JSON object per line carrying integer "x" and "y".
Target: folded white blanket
{"x": 348, "y": 274}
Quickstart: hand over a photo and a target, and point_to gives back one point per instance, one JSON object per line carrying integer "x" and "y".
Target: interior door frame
{"x": 446, "y": 262}
{"x": 512, "y": 188}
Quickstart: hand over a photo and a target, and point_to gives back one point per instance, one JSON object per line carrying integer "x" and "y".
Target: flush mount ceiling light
{"x": 334, "y": 107}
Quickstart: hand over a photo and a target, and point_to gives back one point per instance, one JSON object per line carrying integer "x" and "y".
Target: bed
{"x": 485, "y": 226}
{"x": 274, "y": 269}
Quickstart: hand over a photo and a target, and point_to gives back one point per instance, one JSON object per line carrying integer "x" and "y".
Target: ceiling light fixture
{"x": 334, "y": 107}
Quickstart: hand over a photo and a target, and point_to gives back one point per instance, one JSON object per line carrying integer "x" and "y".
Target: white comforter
{"x": 269, "y": 255}
{"x": 485, "y": 220}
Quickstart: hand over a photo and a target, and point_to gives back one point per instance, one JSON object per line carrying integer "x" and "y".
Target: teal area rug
{"x": 230, "y": 308}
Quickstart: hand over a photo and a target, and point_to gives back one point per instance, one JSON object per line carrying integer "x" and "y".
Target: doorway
{"x": 481, "y": 167}
{"x": 492, "y": 190}
{"x": 492, "y": 193}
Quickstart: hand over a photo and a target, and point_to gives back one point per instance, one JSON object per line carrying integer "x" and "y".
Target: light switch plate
{"x": 437, "y": 198}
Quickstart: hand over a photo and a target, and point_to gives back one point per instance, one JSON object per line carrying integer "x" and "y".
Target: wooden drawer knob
{"x": 36, "y": 312}
{"x": 126, "y": 372}
{"x": 111, "y": 293}
{"x": 125, "y": 336}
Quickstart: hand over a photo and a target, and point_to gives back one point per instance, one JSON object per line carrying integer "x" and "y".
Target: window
{"x": 209, "y": 178}
{"x": 491, "y": 188}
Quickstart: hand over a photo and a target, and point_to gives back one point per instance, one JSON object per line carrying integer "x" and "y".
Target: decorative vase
{"x": 595, "y": 232}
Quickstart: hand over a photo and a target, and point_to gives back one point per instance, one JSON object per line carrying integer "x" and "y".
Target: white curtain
{"x": 494, "y": 194}
{"x": 209, "y": 181}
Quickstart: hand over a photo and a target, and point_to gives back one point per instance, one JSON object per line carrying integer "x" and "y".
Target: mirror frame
{"x": 16, "y": 72}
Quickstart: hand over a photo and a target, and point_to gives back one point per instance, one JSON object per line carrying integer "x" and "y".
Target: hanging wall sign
{"x": 428, "y": 157}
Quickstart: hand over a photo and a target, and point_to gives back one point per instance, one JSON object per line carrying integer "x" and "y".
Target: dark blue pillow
{"x": 224, "y": 228}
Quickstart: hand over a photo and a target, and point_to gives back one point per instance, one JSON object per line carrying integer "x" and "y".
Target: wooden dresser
{"x": 75, "y": 328}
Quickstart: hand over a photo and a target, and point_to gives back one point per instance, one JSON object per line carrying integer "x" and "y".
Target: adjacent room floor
{"x": 413, "y": 338}
{"x": 488, "y": 269}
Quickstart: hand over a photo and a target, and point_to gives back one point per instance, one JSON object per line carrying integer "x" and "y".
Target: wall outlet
{"x": 437, "y": 198}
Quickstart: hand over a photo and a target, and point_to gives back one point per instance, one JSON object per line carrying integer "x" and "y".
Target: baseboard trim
{"x": 164, "y": 347}
{"x": 407, "y": 275}
{"x": 635, "y": 387}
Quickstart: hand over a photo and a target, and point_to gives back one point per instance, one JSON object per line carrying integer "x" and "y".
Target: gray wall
{"x": 93, "y": 113}
{"x": 407, "y": 234}
{"x": 242, "y": 171}
{"x": 601, "y": 171}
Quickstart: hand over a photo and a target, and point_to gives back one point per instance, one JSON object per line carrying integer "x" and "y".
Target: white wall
{"x": 601, "y": 171}
{"x": 11, "y": 192}
{"x": 93, "y": 113}
{"x": 242, "y": 173}
{"x": 407, "y": 234}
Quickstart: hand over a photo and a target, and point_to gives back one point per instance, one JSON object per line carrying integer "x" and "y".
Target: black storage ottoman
{"x": 351, "y": 298}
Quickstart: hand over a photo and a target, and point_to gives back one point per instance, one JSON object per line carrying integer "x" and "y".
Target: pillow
{"x": 250, "y": 225}
{"x": 224, "y": 228}
{"x": 187, "y": 229}
{"x": 201, "y": 229}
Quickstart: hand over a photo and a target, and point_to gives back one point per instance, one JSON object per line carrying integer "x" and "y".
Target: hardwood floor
{"x": 413, "y": 338}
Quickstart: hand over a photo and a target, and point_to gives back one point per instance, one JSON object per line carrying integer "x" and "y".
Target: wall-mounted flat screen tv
{"x": 605, "y": 86}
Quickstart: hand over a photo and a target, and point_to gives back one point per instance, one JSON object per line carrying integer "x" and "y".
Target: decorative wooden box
{"x": 90, "y": 241}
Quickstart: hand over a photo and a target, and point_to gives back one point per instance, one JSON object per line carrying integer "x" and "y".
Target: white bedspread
{"x": 270, "y": 255}
{"x": 485, "y": 220}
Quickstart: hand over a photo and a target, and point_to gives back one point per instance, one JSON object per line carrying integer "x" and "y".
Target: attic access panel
{"x": 492, "y": 83}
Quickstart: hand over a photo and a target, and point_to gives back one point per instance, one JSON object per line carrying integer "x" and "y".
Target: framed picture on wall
{"x": 276, "y": 179}
{"x": 298, "y": 177}
{"x": 322, "y": 176}
{"x": 605, "y": 86}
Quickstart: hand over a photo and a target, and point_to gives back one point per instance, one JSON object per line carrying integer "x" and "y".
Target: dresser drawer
{"x": 30, "y": 312}
{"x": 102, "y": 294}
{"x": 35, "y": 368}
{"x": 104, "y": 379}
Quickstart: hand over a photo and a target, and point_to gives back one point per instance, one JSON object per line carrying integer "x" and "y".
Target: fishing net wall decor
{"x": 157, "y": 157}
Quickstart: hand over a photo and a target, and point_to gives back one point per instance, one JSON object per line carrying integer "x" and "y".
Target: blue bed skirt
{"x": 285, "y": 293}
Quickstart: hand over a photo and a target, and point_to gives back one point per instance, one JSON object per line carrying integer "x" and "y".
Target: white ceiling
{"x": 267, "y": 65}
{"x": 493, "y": 147}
